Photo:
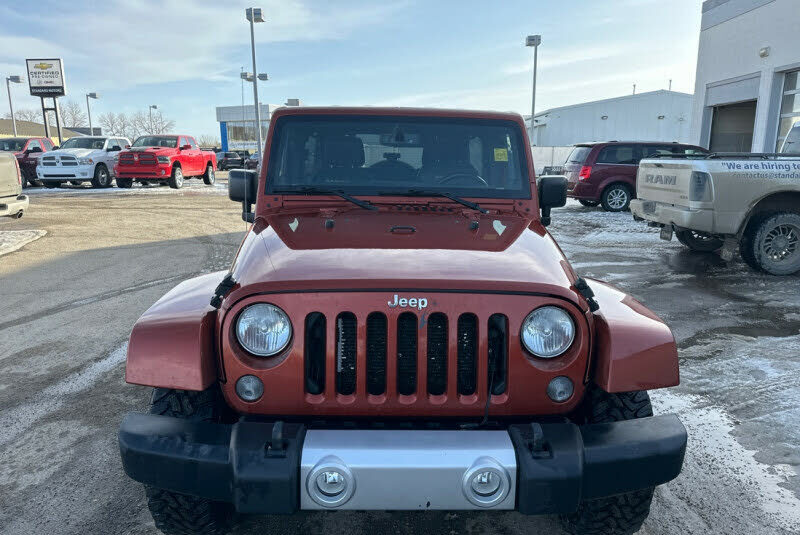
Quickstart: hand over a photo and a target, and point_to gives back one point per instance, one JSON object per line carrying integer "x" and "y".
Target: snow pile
{"x": 11, "y": 240}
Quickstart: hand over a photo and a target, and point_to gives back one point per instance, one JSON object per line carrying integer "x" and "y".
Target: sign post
{"x": 46, "y": 80}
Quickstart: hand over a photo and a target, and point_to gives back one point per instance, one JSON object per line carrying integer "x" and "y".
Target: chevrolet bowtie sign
{"x": 46, "y": 77}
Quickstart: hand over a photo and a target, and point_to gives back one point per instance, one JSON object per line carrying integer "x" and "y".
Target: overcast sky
{"x": 186, "y": 57}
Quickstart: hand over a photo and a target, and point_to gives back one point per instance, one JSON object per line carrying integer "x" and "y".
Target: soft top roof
{"x": 400, "y": 112}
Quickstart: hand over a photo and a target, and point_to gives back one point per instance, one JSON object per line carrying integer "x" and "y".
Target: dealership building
{"x": 747, "y": 94}
{"x": 237, "y": 125}
{"x": 652, "y": 116}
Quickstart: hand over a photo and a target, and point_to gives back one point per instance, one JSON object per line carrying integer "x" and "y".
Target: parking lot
{"x": 78, "y": 270}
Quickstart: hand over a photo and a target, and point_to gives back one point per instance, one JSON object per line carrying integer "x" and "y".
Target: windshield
{"x": 579, "y": 154}
{"x": 84, "y": 143}
{"x": 368, "y": 155}
{"x": 169, "y": 142}
{"x": 11, "y": 144}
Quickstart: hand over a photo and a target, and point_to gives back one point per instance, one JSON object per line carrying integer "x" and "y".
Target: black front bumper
{"x": 256, "y": 466}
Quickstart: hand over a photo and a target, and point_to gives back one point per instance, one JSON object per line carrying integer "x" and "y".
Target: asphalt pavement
{"x": 94, "y": 260}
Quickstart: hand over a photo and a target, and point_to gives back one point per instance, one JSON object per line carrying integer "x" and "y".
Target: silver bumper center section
{"x": 410, "y": 470}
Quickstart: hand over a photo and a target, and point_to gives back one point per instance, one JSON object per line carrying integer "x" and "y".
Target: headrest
{"x": 344, "y": 151}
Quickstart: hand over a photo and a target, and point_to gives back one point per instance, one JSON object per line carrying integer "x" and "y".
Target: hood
{"x": 78, "y": 153}
{"x": 381, "y": 251}
{"x": 154, "y": 150}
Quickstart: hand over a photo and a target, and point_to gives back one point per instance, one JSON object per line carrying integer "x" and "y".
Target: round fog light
{"x": 485, "y": 483}
{"x": 560, "y": 389}
{"x": 249, "y": 387}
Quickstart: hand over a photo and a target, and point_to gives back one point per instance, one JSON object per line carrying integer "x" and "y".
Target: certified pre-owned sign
{"x": 46, "y": 77}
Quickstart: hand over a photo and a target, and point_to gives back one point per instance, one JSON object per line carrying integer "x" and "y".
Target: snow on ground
{"x": 190, "y": 187}
{"x": 11, "y": 240}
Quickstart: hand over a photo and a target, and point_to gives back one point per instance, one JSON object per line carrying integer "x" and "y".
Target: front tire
{"x": 181, "y": 514}
{"x": 101, "y": 178}
{"x": 176, "y": 179}
{"x": 209, "y": 178}
{"x": 52, "y": 184}
{"x": 125, "y": 183}
{"x": 616, "y": 198}
{"x": 698, "y": 241}
{"x": 616, "y": 515}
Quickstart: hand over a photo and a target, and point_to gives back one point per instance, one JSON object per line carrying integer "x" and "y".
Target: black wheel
{"x": 616, "y": 198}
{"x": 616, "y": 515}
{"x": 101, "y": 178}
{"x": 176, "y": 179}
{"x": 698, "y": 241}
{"x": 53, "y": 184}
{"x": 590, "y": 204}
{"x": 209, "y": 177}
{"x": 29, "y": 180}
{"x": 125, "y": 183}
{"x": 75, "y": 182}
{"x": 180, "y": 514}
{"x": 772, "y": 244}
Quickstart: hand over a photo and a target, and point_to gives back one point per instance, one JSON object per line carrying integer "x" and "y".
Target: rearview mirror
{"x": 552, "y": 194}
{"x": 243, "y": 188}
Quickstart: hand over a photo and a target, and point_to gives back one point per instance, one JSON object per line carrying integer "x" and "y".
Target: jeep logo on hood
{"x": 412, "y": 302}
{"x": 667, "y": 180}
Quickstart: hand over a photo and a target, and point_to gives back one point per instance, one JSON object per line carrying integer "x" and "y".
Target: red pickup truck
{"x": 164, "y": 158}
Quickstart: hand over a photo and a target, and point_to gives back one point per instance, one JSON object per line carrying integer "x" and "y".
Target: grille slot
{"x": 315, "y": 353}
{"x": 497, "y": 333}
{"x": 376, "y": 353}
{"x": 407, "y": 353}
{"x": 437, "y": 354}
{"x": 346, "y": 353}
{"x": 467, "y": 354}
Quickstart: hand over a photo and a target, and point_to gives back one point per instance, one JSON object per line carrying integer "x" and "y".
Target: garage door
{"x": 732, "y": 127}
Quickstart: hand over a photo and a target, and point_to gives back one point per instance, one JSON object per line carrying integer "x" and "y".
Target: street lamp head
{"x": 153, "y": 107}
{"x": 246, "y": 76}
{"x": 533, "y": 40}
{"x": 93, "y": 95}
{"x": 263, "y": 76}
{"x": 14, "y": 79}
{"x": 253, "y": 14}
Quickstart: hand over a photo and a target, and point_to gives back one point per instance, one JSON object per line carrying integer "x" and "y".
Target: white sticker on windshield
{"x": 294, "y": 224}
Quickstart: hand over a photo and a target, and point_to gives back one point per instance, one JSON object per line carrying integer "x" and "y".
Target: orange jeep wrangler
{"x": 399, "y": 331}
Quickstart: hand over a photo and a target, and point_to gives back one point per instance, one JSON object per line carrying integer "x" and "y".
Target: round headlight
{"x": 263, "y": 329}
{"x": 547, "y": 332}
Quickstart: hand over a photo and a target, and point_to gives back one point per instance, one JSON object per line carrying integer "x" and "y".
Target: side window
{"x": 182, "y": 142}
{"x": 648, "y": 151}
{"x": 48, "y": 144}
{"x": 32, "y": 144}
{"x": 619, "y": 155}
{"x": 689, "y": 150}
{"x": 192, "y": 142}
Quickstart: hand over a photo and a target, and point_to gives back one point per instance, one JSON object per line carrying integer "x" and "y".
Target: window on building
{"x": 790, "y": 111}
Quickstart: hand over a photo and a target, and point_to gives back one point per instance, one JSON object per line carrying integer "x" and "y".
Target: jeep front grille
{"x": 404, "y": 359}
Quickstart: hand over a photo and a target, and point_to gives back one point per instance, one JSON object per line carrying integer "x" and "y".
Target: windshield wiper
{"x": 309, "y": 190}
{"x": 427, "y": 193}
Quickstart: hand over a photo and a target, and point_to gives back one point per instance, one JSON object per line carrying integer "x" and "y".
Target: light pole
{"x": 89, "y": 110}
{"x": 150, "y": 111}
{"x": 534, "y": 41}
{"x": 9, "y": 80}
{"x": 248, "y": 77}
{"x": 253, "y": 15}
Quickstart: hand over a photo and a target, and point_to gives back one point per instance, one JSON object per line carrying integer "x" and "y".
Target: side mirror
{"x": 243, "y": 188}
{"x": 552, "y": 194}
{"x": 34, "y": 149}
{"x": 55, "y": 147}
{"x": 127, "y": 146}
{"x": 186, "y": 147}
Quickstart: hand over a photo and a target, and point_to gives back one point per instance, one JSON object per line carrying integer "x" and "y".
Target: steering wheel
{"x": 477, "y": 178}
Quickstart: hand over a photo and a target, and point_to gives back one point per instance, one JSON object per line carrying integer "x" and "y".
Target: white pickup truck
{"x": 81, "y": 159}
{"x": 725, "y": 200}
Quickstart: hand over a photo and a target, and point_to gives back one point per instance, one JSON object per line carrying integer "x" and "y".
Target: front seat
{"x": 341, "y": 157}
{"x": 444, "y": 157}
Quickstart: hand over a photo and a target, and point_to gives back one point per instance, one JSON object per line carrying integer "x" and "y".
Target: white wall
{"x": 631, "y": 118}
{"x": 545, "y": 156}
{"x": 729, "y": 67}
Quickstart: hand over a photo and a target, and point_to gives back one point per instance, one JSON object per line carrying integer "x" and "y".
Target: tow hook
{"x": 587, "y": 293}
